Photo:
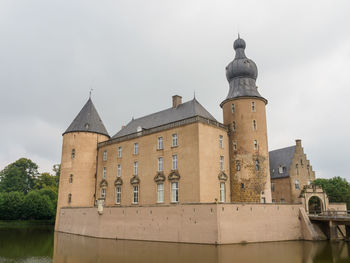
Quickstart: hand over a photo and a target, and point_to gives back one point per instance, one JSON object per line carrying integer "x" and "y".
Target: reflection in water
{"x": 26, "y": 244}
{"x": 73, "y": 248}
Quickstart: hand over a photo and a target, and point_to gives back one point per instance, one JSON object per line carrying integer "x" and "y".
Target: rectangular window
{"x": 118, "y": 195}
{"x": 160, "y": 193}
{"x": 221, "y": 141}
{"x": 105, "y": 155}
{"x": 222, "y": 192}
{"x": 73, "y": 153}
{"x": 119, "y": 152}
{"x": 136, "y": 168}
{"x": 272, "y": 187}
{"x": 233, "y": 126}
{"x": 103, "y": 193}
{"x": 253, "y": 106}
{"x": 297, "y": 186}
{"x": 174, "y": 140}
{"x": 136, "y": 148}
{"x": 221, "y": 163}
{"x": 135, "y": 194}
{"x": 160, "y": 164}
{"x": 254, "y": 125}
{"x": 71, "y": 179}
{"x": 119, "y": 170}
{"x": 174, "y": 167}
{"x": 104, "y": 173}
{"x": 255, "y": 144}
{"x": 238, "y": 165}
{"x": 280, "y": 169}
{"x": 234, "y": 146}
{"x": 69, "y": 198}
{"x": 160, "y": 143}
{"x": 257, "y": 166}
{"x": 175, "y": 192}
{"x": 233, "y": 108}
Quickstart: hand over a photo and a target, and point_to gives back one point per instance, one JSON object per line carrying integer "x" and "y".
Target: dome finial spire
{"x": 238, "y": 36}
{"x": 90, "y": 93}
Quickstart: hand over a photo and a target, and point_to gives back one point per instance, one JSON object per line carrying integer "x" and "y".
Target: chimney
{"x": 177, "y": 100}
{"x": 298, "y": 142}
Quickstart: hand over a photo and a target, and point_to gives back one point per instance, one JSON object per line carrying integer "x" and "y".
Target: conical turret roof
{"x": 87, "y": 120}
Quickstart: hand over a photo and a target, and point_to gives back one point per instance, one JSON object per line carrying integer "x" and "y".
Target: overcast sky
{"x": 137, "y": 54}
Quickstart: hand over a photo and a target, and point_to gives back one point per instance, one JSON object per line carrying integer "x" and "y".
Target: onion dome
{"x": 241, "y": 74}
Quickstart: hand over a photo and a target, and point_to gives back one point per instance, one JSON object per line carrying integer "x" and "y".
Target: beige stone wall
{"x": 202, "y": 223}
{"x": 209, "y": 163}
{"x": 300, "y": 170}
{"x": 82, "y": 167}
{"x": 282, "y": 190}
{"x": 256, "y": 183}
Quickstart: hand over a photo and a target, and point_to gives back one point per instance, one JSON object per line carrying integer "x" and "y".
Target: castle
{"x": 177, "y": 156}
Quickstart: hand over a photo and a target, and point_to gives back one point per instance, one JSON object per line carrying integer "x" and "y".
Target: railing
{"x": 338, "y": 213}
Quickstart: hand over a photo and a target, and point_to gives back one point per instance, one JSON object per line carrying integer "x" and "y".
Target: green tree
{"x": 337, "y": 189}
{"x": 37, "y": 206}
{"x": 46, "y": 180}
{"x": 11, "y": 205}
{"x": 18, "y": 176}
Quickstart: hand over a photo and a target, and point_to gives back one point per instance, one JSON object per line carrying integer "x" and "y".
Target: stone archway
{"x": 315, "y": 205}
{"x": 319, "y": 199}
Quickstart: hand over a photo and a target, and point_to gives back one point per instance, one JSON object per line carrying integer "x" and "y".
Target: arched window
{"x": 257, "y": 167}
{"x": 71, "y": 179}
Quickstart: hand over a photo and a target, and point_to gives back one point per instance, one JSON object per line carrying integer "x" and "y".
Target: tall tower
{"x": 78, "y": 161}
{"x": 244, "y": 113}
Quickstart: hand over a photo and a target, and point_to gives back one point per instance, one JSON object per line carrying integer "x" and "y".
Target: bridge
{"x": 333, "y": 223}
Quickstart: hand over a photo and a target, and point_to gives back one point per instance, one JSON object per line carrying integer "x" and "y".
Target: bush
{"x": 11, "y": 205}
{"x": 38, "y": 206}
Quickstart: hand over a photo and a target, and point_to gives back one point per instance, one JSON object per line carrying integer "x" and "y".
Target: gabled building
{"x": 290, "y": 171}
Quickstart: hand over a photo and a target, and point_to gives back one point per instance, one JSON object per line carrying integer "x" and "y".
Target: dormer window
{"x": 86, "y": 125}
{"x": 280, "y": 169}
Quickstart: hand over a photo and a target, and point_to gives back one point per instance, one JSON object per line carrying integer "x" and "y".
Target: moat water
{"x": 41, "y": 244}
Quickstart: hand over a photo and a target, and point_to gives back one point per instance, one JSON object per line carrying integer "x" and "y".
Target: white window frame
{"x": 174, "y": 162}
{"x": 160, "y": 164}
{"x": 174, "y": 140}
{"x": 118, "y": 194}
{"x": 280, "y": 169}
{"x": 135, "y": 198}
{"x": 160, "y": 143}
{"x": 105, "y": 155}
{"x": 175, "y": 192}
{"x": 221, "y": 141}
{"x": 103, "y": 193}
{"x": 104, "y": 173}
{"x": 136, "y": 148}
{"x": 160, "y": 193}
{"x": 120, "y": 152}
{"x": 222, "y": 192}
{"x": 221, "y": 163}
{"x": 136, "y": 168}
{"x": 119, "y": 170}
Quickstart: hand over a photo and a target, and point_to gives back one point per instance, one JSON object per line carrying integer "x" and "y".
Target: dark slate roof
{"x": 88, "y": 120}
{"x": 183, "y": 111}
{"x": 282, "y": 157}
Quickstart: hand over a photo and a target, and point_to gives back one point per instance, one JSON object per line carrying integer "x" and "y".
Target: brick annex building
{"x": 182, "y": 156}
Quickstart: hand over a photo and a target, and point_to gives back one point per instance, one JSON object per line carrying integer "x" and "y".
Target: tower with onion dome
{"x": 245, "y": 115}
{"x": 78, "y": 161}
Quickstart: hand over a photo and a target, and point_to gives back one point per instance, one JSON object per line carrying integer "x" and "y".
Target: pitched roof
{"x": 88, "y": 120}
{"x": 183, "y": 111}
{"x": 281, "y": 157}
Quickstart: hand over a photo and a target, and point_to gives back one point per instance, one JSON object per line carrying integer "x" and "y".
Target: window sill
{"x": 174, "y": 203}
{"x": 160, "y": 149}
{"x": 174, "y": 146}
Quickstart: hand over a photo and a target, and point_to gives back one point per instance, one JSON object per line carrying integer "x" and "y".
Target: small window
{"x": 222, "y": 193}
{"x": 297, "y": 186}
{"x": 135, "y": 194}
{"x": 119, "y": 152}
{"x": 69, "y": 198}
{"x": 238, "y": 165}
{"x": 136, "y": 148}
{"x": 175, "y": 192}
{"x": 221, "y": 141}
{"x": 174, "y": 163}
{"x": 105, "y": 155}
{"x": 104, "y": 173}
{"x": 233, "y": 108}
{"x": 257, "y": 167}
{"x": 160, "y": 164}
{"x": 119, "y": 170}
{"x": 280, "y": 169}
{"x": 253, "y": 106}
{"x": 103, "y": 193}
{"x": 160, "y": 143}
{"x": 233, "y": 126}
{"x": 160, "y": 193}
{"x": 263, "y": 200}
{"x": 73, "y": 153}
{"x": 254, "y": 125}
{"x": 71, "y": 179}
{"x": 255, "y": 144}
{"x": 118, "y": 195}
{"x": 242, "y": 185}
{"x": 174, "y": 142}
{"x": 234, "y": 146}
{"x": 272, "y": 187}
{"x": 136, "y": 168}
{"x": 221, "y": 163}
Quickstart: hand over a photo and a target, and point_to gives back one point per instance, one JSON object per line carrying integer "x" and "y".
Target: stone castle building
{"x": 183, "y": 154}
